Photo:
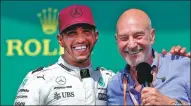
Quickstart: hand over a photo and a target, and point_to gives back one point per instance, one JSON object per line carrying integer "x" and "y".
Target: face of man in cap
{"x": 77, "y": 34}
{"x": 78, "y": 42}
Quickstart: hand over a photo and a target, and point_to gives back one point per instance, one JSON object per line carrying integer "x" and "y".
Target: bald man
{"x": 170, "y": 74}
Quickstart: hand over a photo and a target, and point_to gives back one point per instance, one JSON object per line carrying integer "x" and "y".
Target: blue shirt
{"x": 176, "y": 71}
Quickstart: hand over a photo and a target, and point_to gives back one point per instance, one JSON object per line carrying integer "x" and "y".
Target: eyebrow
{"x": 72, "y": 28}
{"x": 139, "y": 32}
{"x": 135, "y": 33}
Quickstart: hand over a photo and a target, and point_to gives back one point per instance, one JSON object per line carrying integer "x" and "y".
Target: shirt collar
{"x": 126, "y": 72}
{"x": 155, "y": 60}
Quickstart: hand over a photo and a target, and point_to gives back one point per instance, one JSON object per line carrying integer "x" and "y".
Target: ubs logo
{"x": 63, "y": 95}
{"x": 61, "y": 80}
{"x": 76, "y": 12}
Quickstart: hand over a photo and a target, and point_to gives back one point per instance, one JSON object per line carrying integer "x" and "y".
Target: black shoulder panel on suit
{"x": 38, "y": 69}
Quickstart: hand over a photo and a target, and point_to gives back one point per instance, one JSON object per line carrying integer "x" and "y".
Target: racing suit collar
{"x": 73, "y": 68}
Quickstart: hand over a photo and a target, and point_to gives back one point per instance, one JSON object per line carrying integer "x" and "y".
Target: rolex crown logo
{"x": 48, "y": 20}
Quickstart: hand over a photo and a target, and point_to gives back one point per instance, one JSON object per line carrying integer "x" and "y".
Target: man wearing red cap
{"x": 70, "y": 81}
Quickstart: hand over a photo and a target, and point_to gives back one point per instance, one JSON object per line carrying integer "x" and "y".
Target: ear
{"x": 96, "y": 36}
{"x": 60, "y": 40}
{"x": 152, "y": 33}
{"x": 116, "y": 38}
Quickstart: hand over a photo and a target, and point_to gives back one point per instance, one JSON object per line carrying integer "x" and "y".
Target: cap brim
{"x": 76, "y": 23}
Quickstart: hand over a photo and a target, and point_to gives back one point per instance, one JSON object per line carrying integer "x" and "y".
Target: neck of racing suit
{"x": 87, "y": 81}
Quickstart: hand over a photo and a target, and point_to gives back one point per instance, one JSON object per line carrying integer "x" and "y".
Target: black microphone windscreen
{"x": 144, "y": 73}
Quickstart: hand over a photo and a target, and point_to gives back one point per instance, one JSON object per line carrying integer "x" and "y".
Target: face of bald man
{"x": 135, "y": 36}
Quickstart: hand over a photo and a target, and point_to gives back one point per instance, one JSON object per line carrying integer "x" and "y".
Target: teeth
{"x": 80, "y": 47}
{"x": 134, "y": 52}
{"x": 83, "y": 47}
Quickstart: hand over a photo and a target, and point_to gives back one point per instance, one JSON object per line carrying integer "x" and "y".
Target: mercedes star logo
{"x": 76, "y": 12}
{"x": 61, "y": 80}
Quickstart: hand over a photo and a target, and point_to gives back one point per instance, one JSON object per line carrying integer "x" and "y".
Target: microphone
{"x": 144, "y": 76}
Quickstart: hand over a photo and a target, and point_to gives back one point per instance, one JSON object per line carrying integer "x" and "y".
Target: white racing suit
{"x": 63, "y": 84}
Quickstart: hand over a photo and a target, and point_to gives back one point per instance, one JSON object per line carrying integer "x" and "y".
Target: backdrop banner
{"x": 29, "y": 30}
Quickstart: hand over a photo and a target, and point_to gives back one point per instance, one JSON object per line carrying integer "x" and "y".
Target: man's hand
{"x": 151, "y": 96}
{"x": 178, "y": 50}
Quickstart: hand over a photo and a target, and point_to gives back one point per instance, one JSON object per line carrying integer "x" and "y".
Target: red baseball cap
{"x": 75, "y": 14}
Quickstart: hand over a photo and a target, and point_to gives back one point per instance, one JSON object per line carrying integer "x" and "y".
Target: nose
{"x": 132, "y": 43}
{"x": 81, "y": 38}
